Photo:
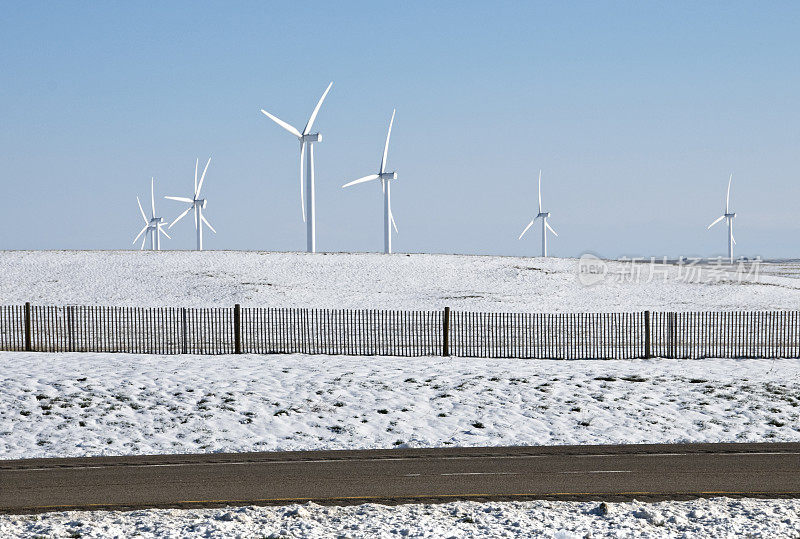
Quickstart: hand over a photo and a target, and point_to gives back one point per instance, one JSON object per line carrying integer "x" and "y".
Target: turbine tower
{"x": 385, "y": 178}
{"x": 197, "y": 204}
{"x": 152, "y": 227}
{"x": 728, "y": 215}
{"x": 306, "y": 138}
{"x": 544, "y": 215}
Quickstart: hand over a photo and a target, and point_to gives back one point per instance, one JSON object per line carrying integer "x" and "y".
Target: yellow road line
{"x": 429, "y": 497}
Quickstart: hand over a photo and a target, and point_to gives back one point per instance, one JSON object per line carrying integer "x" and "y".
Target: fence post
{"x": 183, "y": 330}
{"x": 446, "y": 333}
{"x": 647, "y": 335}
{"x": 28, "y": 345}
{"x": 671, "y": 335}
{"x": 237, "y": 329}
{"x": 71, "y": 326}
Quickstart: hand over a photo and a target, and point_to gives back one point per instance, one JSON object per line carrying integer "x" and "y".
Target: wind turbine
{"x": 306, "y": 138}
{"x": 152, "y": 226}
{"x": 197, "y": 204}
{"x": 385, "y": 178}
{"x": 728, "y": 215}
{"x": 544, "y": 216}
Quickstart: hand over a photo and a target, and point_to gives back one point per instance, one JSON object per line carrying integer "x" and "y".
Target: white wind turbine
{"x": 306, "y": 138}
{"x": 197, "y": 204}
{"x": 544, "y": 216}
{"x": 385, "y": 178}
{"x": 153, "y": 226}
{"x": 728, "y": 215}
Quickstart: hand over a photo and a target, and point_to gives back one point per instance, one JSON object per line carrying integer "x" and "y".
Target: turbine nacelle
{"x": 311, "y": 137}
{"x": 200, "y": 202}
{"x": 544, "y": 215}
{"x": 729, "y": 215}
{"x": 387, "y": 176}
{"x": 155, "y": 221}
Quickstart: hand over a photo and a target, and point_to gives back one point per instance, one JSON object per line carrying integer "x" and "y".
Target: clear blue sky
{"x": 636, "y": 111}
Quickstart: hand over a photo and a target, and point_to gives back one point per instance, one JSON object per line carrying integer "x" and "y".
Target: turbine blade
{"x": 196, "y": 164}
{"x": 720, "y": 218}
{"x": 526, "y": 229}
{"x": 283, "y": 124}
{"x": 181, "y": 199}
{"x": 728, "y": 196}
{"x": 202, "y": 179}
{"x": 141, "y": 210}
{"x": 362, "y": 180}
{"x": 139, "y": 234}
{"x": 550, "y": 228}
{"x": 540, "y": 190}
{"x": 161, "y": 230}
{"x": 386, "y": 146}
{"x": 203, "y": 218}
{"x": 391, "y": 216}
{"x": 313, "y": 117}
{"x": 302, "y": 186}
{"x": 152, "y": 197}
{"x": 143, "y": 241}
{"x": 181, "y": 216}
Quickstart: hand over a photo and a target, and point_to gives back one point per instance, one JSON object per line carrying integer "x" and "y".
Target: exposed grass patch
{"x": 634, "y": 378}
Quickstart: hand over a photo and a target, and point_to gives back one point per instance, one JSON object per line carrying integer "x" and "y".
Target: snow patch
{"x": 741, "y": 517}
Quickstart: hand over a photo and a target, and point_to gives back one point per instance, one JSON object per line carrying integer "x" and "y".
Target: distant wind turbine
{"x": 544, "y": 215}
{"x": 308, "y": 138}
{"x": 153, "y": 226}
{"x": 729, "y": 216}
{"x": 197, "y": 204}
{"x": 385, "y": 178}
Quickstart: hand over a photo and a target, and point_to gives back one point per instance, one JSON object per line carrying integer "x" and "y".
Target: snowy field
{"x": 418, "y": 281}
{"x": 77, "y": 404}
{"x": 57, "y": 405}
{"x": 713, "y": 518}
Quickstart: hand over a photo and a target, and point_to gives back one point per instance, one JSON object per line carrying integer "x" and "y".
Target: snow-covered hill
{"x": 367, "y": 280}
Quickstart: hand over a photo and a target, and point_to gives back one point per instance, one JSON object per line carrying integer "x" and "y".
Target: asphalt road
{"x": 644, "y": 472}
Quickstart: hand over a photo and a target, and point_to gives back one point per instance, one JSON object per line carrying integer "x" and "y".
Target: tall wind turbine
{"x": 306, "y": 138}
{"x": 153, "y": 226}
{"x": 385, "y": 178}
{"x": 544, "y": 215}
{"x": 197, "y": 204}
{"x": 728, "y": 215}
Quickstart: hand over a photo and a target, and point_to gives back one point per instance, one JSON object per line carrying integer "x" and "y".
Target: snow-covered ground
{"x": 719, "y": 517}
{"x": 77, "y": 404}
{"x": 55, "y": 405}
{"x": 400, "y": 281}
